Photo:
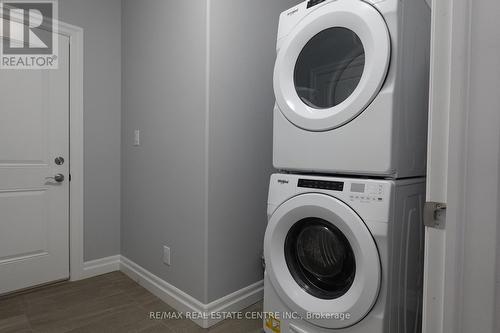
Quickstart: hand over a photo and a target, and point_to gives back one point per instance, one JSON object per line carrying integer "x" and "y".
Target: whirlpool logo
{"x": 283, "y": 181}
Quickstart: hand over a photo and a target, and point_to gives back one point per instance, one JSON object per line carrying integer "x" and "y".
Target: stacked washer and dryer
{"x": 343, "y": 247}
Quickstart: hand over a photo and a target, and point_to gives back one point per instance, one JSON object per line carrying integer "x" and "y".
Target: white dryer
{"x": 343, "y": 255}
{"x": 351, "y": 86}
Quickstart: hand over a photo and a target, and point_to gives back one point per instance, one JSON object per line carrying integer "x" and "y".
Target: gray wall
{"x": 242, "y": 53}
{"x": 163, "y": 179}
{"x": 198, "y": 183}
{"x": 101, "y": 21}
{"x": 480, "y": 284}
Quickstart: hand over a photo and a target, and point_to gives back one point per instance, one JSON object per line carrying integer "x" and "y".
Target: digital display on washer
{"x": 313, "y": 3}
{"x": 358, "y": 188}
{"x": 321, "y": 184}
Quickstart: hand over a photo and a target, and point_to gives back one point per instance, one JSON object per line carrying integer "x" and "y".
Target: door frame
{"x": 462, "y": 257}
{"x": 446, "y": 173}
{"x": 76, "y": 123}
{"x": 76, "y": 149}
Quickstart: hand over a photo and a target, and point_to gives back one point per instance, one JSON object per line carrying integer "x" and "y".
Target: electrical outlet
{"x": 137, "y": 138}
{"x": 166, "y": 255}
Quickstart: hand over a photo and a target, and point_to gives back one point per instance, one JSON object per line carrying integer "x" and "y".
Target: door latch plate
{"x": 435, "y": 215}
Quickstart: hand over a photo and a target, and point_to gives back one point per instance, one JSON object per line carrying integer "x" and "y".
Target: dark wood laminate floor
{"x": 107, "y": 303}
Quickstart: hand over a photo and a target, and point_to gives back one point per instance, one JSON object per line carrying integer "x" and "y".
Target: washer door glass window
{"x": 320, "y": 258}
{"x": 329, "y": 68}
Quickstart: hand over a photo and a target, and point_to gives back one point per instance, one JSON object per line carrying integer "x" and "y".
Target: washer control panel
{"x": 363, "y": 192}
{"x": 359, "y": 191}
{"x": 313, "y": 3}
{"x": 321, "y": 184}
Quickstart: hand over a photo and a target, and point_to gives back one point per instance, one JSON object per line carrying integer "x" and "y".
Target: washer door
{"x": 332, "y": 65}
{"x": 322, "y": 260}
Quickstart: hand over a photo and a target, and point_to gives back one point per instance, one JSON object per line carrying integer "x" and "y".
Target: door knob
{"x": 58, "y": 178}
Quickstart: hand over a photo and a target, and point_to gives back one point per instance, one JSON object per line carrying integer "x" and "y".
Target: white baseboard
{"x": 185, "y": 303}
{"x": 234, "y": 302}
{"x": 100, "y": 266}
{"x": 173, "y": 296}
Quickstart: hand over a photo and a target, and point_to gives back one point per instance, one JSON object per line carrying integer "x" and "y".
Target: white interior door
{"x": 34, "y": 209}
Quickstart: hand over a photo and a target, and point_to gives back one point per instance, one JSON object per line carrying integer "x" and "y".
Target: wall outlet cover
{"x": 137, "y": 138}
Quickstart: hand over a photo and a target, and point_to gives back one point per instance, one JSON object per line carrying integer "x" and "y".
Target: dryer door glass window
{"x": 329, "y": 68}
{"x": 320, "y": 258}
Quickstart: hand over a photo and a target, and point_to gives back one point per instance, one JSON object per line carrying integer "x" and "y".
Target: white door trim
{"x": 437, "y": 162}
{"x": 75, "y": 35}
{"x": 461, "y": 264}
{"x": 446, "y": 174}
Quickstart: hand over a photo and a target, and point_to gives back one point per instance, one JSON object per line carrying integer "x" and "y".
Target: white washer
{"x": 351, "y": 86}
{"x": 343, "y": 255}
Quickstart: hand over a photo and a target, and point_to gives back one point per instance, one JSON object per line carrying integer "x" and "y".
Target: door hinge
{"x": 69, "y": 177}
{"x": 435, "y": 215}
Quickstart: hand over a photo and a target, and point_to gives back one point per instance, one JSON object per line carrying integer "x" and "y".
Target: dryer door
{"x": 332, "y": 65}
{"x": 322, "y": 260}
